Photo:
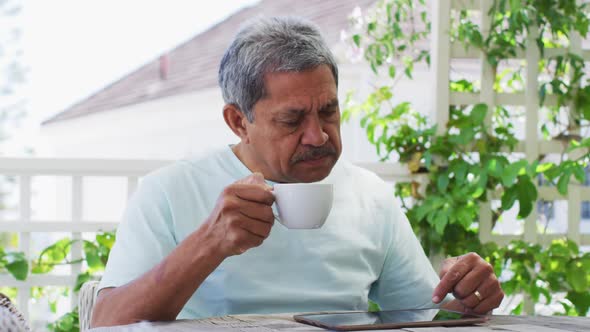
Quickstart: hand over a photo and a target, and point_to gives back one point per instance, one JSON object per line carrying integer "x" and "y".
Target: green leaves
{"x": 392, "y": 71}
{"x": 95, "y": 255}
{"x": 495, "y": 166}
{"x": 526, "y": 195}
{"x": 517, "y": 180}
{"x": 509, "y": 26}
{"x": 439, "y": 220}
{"x": 390, "y": 129}
{"x": 509, "y": 197}
{"x": 15, "y": 263}
{"x": 390, "y": 44}
{"x": 373, "y": 306}
{"x": 478, "y": 113}
{"x": 539, "y": 271}
{"x": 52, "y": 255}
{"x": 357, "y": 40}
{"x": 563, "y": 182}
{"x": 577, "y": 145}
{"x": 92, "y": 254}
{"x": 581, "y": 302}
{"x": 442, "y": 182}
{"x": 474, "y": 158}
{"x": 577, "y": 276}
{"x": 66, "y": 323}
{"x": 461, "y": 86}
{"x": 564, "y": 171}
{"x": 81, "y": 279}
{"x": 512, "y": 171}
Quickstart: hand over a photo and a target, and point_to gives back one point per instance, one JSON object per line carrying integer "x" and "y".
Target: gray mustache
{"x": 314, "y": 153}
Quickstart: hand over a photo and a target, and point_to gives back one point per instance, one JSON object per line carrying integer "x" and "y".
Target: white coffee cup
{"x": 303, "y": 205}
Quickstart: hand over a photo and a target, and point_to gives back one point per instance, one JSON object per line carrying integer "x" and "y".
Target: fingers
{"x": 249, "y": 192}
{"x": 486, "y": 289}
{"x": 489, "y": 303}
{"x": 255, "y": 227}
{"x": 446, "y": 266}
{"x": 243, "y": 217}
{"x": 248, "y": 223}
{"x": 245, "y": 233}
{"x": 258, "y": 211}
{"x": 450, "y": 279}
{"x": 472, "y": 280}
{"x": 233, "y": 203}
{"x": 470, "y": 274}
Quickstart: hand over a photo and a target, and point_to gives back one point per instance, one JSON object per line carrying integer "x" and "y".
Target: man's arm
{"x": 407, "y": 277}
{"x": 161, "y": 292}
{"x": 241, "y": 219}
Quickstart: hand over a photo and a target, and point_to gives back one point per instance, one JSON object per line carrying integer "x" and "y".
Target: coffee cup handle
{"x": 274, "y": 208}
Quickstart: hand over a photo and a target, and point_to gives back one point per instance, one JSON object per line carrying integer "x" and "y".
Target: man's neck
{"x": 246, "y": 159}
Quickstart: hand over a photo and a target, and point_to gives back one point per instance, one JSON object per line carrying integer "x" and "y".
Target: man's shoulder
{"x": 188, "y": 170}
{"x": 366, "y": 183}
{"x": 360, "y": 175}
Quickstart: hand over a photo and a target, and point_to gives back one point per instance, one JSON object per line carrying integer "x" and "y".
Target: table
{"x": 285, "y": 323}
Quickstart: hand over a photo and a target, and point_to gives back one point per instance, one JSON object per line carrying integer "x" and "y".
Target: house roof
{"x": 193, "y": 65}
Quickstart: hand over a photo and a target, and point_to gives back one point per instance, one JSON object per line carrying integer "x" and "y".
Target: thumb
{"x": 257, "y": 178}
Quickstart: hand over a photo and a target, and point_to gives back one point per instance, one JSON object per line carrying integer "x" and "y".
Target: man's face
{"x": 295, "y": 135}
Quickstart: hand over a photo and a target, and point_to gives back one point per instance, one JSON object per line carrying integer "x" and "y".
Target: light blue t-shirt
{"x": 365, "y": 250}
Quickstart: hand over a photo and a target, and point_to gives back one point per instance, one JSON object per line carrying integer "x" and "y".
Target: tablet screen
{"x": 386, "y": 317}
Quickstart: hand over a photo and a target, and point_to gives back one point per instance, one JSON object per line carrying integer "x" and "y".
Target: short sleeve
{"x": 144, "y": 237}
{"x": 407, "y": 279}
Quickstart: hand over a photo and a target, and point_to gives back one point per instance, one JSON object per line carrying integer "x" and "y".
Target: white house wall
{"x": 159, "y": 129}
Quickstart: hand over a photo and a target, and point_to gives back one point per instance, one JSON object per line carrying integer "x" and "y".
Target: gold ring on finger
{"x": 478, "y": 295}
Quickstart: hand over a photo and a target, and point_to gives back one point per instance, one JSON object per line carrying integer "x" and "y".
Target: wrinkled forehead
{"x": 307, "y": 105}
{"x": 316, "y": 80}
{"x": 303, "y": 91}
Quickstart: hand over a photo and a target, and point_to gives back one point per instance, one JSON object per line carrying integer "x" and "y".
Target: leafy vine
{"x": 475, "y": 160}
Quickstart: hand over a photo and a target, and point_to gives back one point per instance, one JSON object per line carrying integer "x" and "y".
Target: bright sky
{"x": 75, "y": 47}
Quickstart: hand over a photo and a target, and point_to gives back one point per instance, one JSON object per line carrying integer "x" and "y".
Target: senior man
{"x": 198, "y": 238}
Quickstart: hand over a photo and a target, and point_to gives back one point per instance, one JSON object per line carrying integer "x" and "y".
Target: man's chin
{"x": 314, "y": 170}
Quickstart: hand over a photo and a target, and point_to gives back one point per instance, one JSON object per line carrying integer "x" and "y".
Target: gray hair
{"x": 266, "y": 45}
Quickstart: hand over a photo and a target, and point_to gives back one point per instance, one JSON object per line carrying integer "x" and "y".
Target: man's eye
{"x": 329, "y": 113}
{"x": 291, "y": 123}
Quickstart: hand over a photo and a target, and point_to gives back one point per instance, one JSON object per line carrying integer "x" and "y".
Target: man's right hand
{"x": 243, "y": 217}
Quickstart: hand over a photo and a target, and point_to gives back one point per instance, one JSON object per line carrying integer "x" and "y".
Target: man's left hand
{"x": 473, "y": 283}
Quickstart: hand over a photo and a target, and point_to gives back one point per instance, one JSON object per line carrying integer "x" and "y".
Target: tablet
{"x": 392, "y": 319}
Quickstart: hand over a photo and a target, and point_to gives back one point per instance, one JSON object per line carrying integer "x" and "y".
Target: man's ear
{"x": 236, "y": 120}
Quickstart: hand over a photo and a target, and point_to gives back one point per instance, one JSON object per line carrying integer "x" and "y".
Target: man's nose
{"x": 313, "y": 133}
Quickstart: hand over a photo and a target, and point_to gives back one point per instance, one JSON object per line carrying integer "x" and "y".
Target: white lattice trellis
{"x": 24, "y": 170}
{"x": 443, "y": 52}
